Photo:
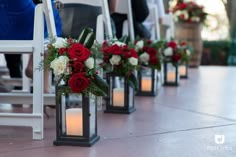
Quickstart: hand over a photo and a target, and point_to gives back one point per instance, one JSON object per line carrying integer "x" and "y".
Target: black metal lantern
{"x": 120, "y": 95}
{"x": 76, "y": 118}
{"x": 148, "y": 82}
{"x": 171, "y": 74}
{"x": 183, "y": 70}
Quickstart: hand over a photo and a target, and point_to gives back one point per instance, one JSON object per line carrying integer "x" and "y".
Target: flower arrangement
{"x": 185, "y": 51}
{"x": 189, "y": 12}
{"x": 119, "y": 59}
{"x": 148, "y": 52}
{"x": 171, "y": 53}
{"x": 73, "y": 61}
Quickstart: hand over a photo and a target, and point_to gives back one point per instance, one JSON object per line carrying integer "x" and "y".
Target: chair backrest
{"x": 102, "y": 21}
{"x": 152, "y": 20}
{"x": 168, "y": 21}
{"x": 50, "y": 22}
{"x": 34, "y": 46}
{"x": 124, "y": 7}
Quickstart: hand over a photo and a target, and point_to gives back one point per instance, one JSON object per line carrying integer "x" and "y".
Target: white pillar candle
{"x": 146, "y": 84}
{"x": 74, "y": 121}
{"x": 118, "y": 97}
{"x": 171, "y": 76}
{"x": 182, "y": 70}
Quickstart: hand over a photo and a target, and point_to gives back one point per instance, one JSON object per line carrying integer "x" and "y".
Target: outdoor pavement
{"x": 179, "y": 122}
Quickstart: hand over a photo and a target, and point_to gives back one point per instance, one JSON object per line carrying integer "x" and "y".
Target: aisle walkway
{"x": 179, "y": 122}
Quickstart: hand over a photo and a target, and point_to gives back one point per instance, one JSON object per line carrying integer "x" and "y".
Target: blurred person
{"x": 149, "y": 23}
{"x": 76, "y": 17}
{"x": 17, "y": 23}
{"x": 140, "y": 13}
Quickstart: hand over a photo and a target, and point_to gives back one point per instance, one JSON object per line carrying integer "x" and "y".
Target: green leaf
{"x": 96, "y": 90}
{"x": 89, "y": 40}
{"x": 101, "y": 83}
{"x": 84, "y": 34}
{"x": 133, "y": 82}
{"x": 124, "y": 39}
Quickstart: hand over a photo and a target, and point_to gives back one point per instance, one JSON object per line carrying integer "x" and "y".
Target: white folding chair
{"x": 152, "y": 20}
{"x": 169, "y": 22}
{"x": 36, "y": 47}
{"x": 102, "y": 20}
{"x": 37, "y": 98}
{"x": 124, "y": 7}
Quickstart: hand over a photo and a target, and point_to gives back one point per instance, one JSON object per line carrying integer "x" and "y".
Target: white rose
{"x": 195, "y": 19}
{"x": 59, "y": 65}
{"x": 188, "y": 52}
{"x": 185, "y": 15}
{"x": 144, "y": 57}
{"x": 168, "y": 51}
{"x": 115, "y": 60}
{"x": 177, "y": 13}
{"x": 60, "y": 42}
{"x": 133, "y": 61}
{"x": 89, "y": 63}
{"x": 119, "y": 43}
{"x": 139, "y": 45}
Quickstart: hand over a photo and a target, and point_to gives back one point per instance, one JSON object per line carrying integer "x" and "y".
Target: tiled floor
{"x": 179, "y": 122}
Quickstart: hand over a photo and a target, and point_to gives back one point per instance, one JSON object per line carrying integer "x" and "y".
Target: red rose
{"x": 79, "y": 52}
{"x": 182, "y": 6}
{"x": 70, "y": 41}
{"x": 182, "y": 16}
{"x": 78, "y": 67}
{"x": 130, "y": 53}
{"x": 154, "y": 60}
{"x": 62, "y": 51}
{"x": 104, "y": 47}
{"x": 106, "y": 59}
{"x": 152, "y": 52}
{"x": 149, "y": 41}
{"x": 115, "y": 49}
{"x": 183, "y": 44}
{"x": 172, "y": 44}
{"x": 145, "y": 48}
{"x": 133, "y": 53}
{"x": 78, "y": 82}
{"x": 127, "y": 54}
{"x": 176, "y": 57}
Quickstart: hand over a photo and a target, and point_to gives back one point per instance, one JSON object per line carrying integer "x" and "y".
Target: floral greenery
{"x": 171, "y": 53}
{"x": 119, "y": 59}
{"x": 149, "y": 53}
{"x": 177, "y": 53}
{"x": 185, "y": 50}
{"x": 73, "y": 61}
{"x": 189, "y": 12}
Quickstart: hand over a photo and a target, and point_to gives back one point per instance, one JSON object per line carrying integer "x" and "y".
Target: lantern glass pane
{"x": 92, "y": 113}
{"x": 74, "y": 115}
{"x": 171, "y": 73}
{"x": 146, "y": 80}
{"x": 182, "y": 70}
{"x": 63, "y": 113}
{"x": 131, "y": 97}
{"x": 118, "y": 96}
{"x": 155, "y": 76}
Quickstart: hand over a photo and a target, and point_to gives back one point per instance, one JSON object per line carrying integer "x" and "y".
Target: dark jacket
{"x": 140, "y": 13}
